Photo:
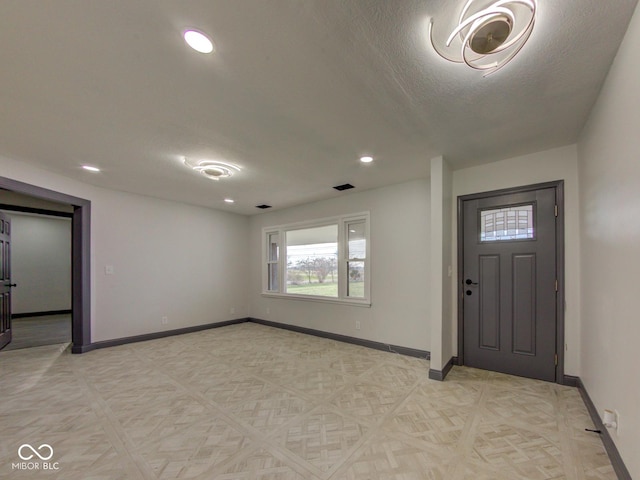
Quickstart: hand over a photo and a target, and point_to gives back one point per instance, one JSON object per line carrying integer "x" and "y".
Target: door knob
{"x": 10, "y": 284}
{"x": 469, "y": 282}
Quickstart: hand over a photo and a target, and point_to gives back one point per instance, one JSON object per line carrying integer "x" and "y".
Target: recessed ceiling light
{"x": 229, "y": 200}
{"x": 90, "y": 168}
{"x": 366, "y": 159}
{"x": 198, "y": 41}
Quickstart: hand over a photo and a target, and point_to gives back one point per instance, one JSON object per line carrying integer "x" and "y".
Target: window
{"x": 312, "y": 261}
{"x": 272, "y": 261}
{"x": 508, "y": 223}
{"x": 325, "y": 260}
{"x": 356, "y": 258}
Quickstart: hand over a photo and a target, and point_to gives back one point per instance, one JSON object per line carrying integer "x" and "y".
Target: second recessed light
{"x": 198, "y": 41}
{"x": 366, "y": 159}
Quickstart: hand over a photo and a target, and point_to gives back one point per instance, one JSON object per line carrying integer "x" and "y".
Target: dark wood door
{"x": 5, "y": 280}
{"x": 510, "y": 283}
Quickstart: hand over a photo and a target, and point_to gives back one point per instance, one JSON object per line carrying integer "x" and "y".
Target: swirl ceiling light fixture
{"x": 488, "y": 33}
{"x": 213, "y": 169}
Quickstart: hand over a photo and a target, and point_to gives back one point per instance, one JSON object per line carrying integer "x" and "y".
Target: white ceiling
{"x": 295, "y": 93}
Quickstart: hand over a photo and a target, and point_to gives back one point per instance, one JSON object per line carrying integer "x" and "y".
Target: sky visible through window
{"x": 296, "y": 253}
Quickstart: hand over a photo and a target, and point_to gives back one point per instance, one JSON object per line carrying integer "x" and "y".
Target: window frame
{"x": 342, "y": 222}
{"x": 270, "y": 262}
{"x": 345, "y": 259}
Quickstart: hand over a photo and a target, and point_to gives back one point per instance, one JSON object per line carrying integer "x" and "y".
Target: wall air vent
{"x": 346, "y": 186}
{"x": 263, "y": 206}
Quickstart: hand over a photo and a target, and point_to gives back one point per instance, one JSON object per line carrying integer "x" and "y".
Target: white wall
{"x": 609, "y": 169}
{"x": 188, "y": 263}
{"x": 399, "y": 268}
{"x": 556, "y": 164}
{"x": 40, "y": 263}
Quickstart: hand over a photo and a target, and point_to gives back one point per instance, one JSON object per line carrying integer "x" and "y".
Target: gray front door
{"x": 509, "y": 283}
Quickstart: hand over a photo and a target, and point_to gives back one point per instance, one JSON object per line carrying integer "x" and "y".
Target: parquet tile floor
{"x": 259, "y": 403}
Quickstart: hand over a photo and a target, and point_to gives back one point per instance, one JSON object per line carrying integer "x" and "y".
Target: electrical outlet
{"x": 165, "y": 320}
{"x": 268, "y": 310}
{"x": 232, "y": 310}
{"x": 611, "y": 419}
{"x": 108, "y": 269}
{"x": 357, "y": 324}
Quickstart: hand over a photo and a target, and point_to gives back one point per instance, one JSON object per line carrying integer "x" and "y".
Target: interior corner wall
{"x": 187, "y": 263}
{"x": 609, "y": 172}
{"x": 40, "y": 263}
{"x": 556, "y": 164}
{"x": 447, "y": 266}
{"x": 399, "y": 265}
{"x": 440, "y": 253}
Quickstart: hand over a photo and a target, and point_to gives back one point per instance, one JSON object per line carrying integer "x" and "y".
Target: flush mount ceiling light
{"x": 213, "y": 169}
{"x": 198, "y": 41}
{"x": 488, "y": 33}
{"x": 366, "y": 159}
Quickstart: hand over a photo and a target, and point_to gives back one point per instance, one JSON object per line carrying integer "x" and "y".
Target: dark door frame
{"x": 560, "y": 301}
{"x": 80, "y": 258}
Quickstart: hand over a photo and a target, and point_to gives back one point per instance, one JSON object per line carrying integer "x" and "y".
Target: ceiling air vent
{"x": 263, "y": 206}
{"x": 346, "y": 186}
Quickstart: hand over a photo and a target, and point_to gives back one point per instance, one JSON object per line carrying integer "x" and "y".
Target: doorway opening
{"x": 80, "y": 214}
{"x": 40, "y": 248}
{"x": 511, "y": 281}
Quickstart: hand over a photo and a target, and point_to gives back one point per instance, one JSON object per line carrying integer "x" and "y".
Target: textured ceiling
{"x": 295, "y": 93}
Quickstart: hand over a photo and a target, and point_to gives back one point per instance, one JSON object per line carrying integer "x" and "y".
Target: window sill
{"x": 311, "y": 298}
